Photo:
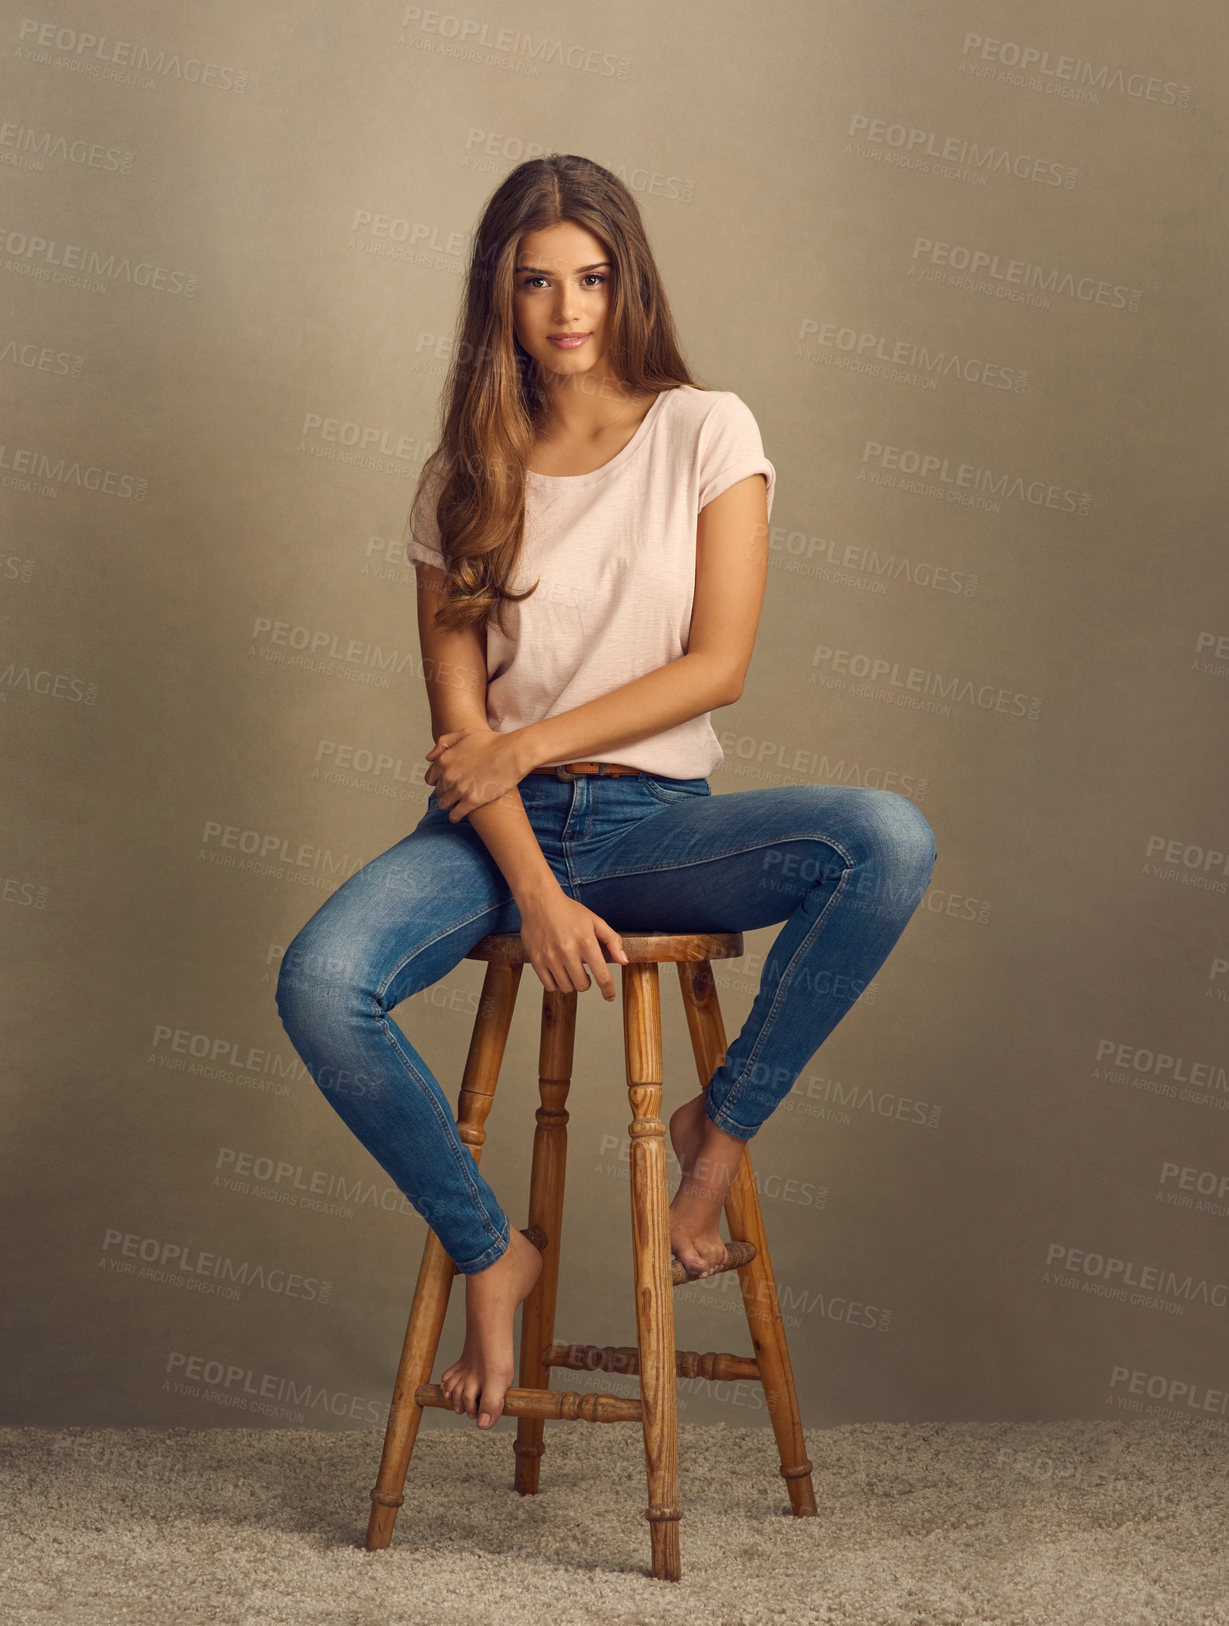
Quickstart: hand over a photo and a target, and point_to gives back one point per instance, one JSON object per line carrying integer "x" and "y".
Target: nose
{"x": 565, "y": 300}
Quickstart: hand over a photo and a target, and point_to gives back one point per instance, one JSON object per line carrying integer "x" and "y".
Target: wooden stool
{"x": 654, "y": 1358}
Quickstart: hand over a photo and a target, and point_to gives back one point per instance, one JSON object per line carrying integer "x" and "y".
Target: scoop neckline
{"x": 621, "y": 456}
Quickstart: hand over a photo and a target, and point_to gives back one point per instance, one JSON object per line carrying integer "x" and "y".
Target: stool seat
{"x": 646, "y": 948}
{"x": 654, "y": 1359}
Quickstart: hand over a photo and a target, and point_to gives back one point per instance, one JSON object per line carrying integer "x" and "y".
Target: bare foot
{"x": 709, "y": 1160}
{"x": 475, "y": 1385}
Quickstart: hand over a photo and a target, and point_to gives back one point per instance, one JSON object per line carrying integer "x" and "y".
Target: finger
{"x": 563, "y": 972}
{"x": 577, "y": 974}
{"x": 607, "y": 935}
{"x": 545, "y": 977}
{"x": 610, "y": 938}
{"x": 601, "y": 972}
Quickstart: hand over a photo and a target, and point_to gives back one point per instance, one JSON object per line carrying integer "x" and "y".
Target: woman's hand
{"x": 472, "y": 766}
{"x": 561, "y": 937}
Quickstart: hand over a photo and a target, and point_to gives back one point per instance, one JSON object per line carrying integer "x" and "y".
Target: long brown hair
{"x": 491, "y": 408}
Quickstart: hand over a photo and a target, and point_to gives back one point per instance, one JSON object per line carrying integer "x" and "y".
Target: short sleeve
{"x": 424, "y": 536}
{"x": 731, "y": 448}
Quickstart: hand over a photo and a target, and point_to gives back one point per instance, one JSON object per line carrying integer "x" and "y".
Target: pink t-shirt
{"x": 614, "y": 554}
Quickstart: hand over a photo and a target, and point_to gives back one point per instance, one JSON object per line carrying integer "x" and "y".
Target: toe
{"x": 492, "y": 1403}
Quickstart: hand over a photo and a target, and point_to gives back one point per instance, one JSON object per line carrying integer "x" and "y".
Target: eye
{"x": 590, "y": 278}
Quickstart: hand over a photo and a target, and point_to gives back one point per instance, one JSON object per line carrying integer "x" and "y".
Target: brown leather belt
{"x": 570, "y": 770}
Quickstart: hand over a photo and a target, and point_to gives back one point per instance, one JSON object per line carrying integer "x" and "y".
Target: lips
{"x": 568, "y": 341}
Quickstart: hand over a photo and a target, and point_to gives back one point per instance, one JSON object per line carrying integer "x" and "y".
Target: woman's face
{"x": 562, "y": 283}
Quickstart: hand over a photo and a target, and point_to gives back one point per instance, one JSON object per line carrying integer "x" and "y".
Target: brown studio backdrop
{"x": 976, "y": 312}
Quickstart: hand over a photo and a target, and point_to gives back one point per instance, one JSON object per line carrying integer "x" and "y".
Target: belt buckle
{"x": 562, "y": 771}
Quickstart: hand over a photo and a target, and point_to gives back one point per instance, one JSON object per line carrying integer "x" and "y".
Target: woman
{"x": 591, "y": 544}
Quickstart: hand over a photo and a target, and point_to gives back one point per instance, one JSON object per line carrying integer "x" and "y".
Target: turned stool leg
{"x": 546, "y": 1181}
{"x": 759, "y": 1288}
{"x": 422, "y": 1336}
{"x": 652, "y": 1259}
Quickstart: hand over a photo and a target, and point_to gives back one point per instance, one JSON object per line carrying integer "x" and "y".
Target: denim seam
{"x": 459, "y": 1158}
{"x": 709, "y": 858}
{"x": 669, "y": 797}
{"x": 740, "y": 1082}
{"x": 566, "y": 842}
{"x": 386, "y": 1029}
{"x": 430, "y": 943}
{"x": 730, "y": 1125}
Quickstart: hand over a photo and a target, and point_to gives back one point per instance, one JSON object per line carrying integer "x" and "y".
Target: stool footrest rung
{"x": 625, "y": 1359}
{"x": 564, "y": 1404}
{"x": 740, "y": 1254}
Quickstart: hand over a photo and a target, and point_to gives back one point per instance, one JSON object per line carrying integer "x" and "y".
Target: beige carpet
{"x": 1119, "y": 1524}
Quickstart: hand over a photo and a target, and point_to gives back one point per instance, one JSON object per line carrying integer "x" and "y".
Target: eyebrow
{"x": 582, "y": 268}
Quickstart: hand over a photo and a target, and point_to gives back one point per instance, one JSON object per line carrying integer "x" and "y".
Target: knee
{"x": 913, "y": 833}
{"x": 293, "y": 995}
{"x": 314, "y": 984}
{"x": 897, "y": 836}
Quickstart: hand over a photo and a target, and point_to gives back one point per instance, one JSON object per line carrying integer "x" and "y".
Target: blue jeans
{"x": 844, "y": 867}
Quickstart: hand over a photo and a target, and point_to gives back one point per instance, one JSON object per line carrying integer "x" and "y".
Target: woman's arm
{"x": 454, "y": 668}
{"x": 561, "y": 936}
{"x": 731, "y": 572}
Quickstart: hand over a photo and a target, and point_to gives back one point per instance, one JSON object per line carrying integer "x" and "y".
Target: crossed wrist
{"x": 527, "y": 754}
